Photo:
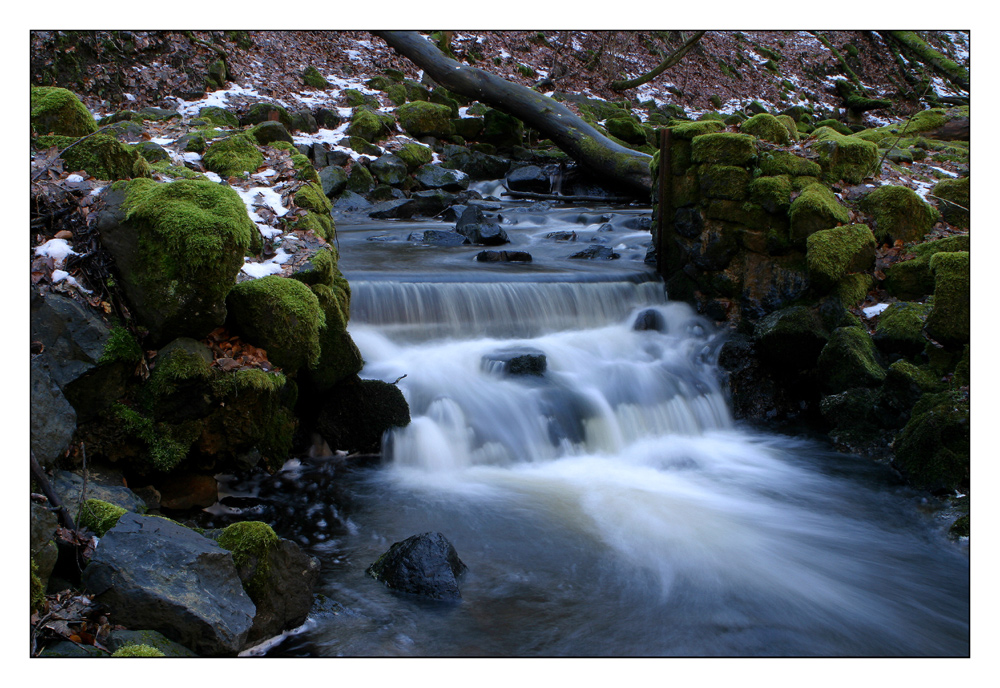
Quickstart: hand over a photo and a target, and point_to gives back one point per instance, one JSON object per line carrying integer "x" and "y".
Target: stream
{"x": 610, "y": 506}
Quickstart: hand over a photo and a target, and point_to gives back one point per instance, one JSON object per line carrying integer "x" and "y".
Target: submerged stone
{"x": 425, "y": 565}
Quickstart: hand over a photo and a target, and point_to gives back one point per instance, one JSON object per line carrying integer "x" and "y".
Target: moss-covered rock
{"x": 250, "y": 542}
{"x": 137, "y": 651}
{"x": 339, "y": 355}
{"x": 627, "y": 129}
{"x": 178, "y": 247}
{"x": 360, "y": 180}
{"x": 219, "y": 116}
{"x": 312, "y": 77}
{"x": 58, "y": 111}
{"x": 37, "y": 589}
{"x": 949, "y": 319}
{"x": 779, "y": 162}
{"x": 844, "y": 157}
{"x": 933, "y": 448}
{"x": 262, "y": 112}
{"x": 414, "y": 155}
{"x": 815, "y": 209}
{"x": 280, "y": 315}
{"x": 832, "y": 253}
{"x": 791, "y": 126}
{"x": 106, "y": 157}
{"x": 899, "y": 214}
{"x": 723, "y": 149}
{"x": 688, "y": 130}
{"x": 502, "y": 130}
{"x": 723, "y": 181}
{"x": 900, "y": 328}
{"x": 423, "y": 118}
{"x": 772, "y": 193}
{"x": 767, "y": 127}
{"x": 912, "y": 279}
{"x": 268, "y": 132}
{"x": 233, "y": 156}
{"x": 791, "y": 337}
{"x": 953, "y": 201}
{"x": 902, "y": 388}
{"x": 366, "y": 125}
{"x": 848, "y": 360}
{"x": 99, "y": 516}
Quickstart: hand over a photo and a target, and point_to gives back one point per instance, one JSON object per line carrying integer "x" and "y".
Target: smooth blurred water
{"x": 610, "y": 506}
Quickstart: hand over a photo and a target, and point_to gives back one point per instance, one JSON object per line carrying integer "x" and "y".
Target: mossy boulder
{"x": 688, "y": 130}
{"x": 912, "y": 279}
{"x": 791, "y": 126}
{"x": 848, "y": 360}
{"x": 219, "y": 116}
{"x": 723, "y": 181}
{"x": 359, "y": 412}
{"x": 772, "y": 193}
{"x": 312, "y": 77}
{"x": 900, "y": 328}
{"x": 366, "y": 125}
{"x": 815, "y": 209}
{"x": 280, "y": 315}
{"x": 501, "y": 129}
{"x": 414, "y": 155}
{"x": 105, "y": 157}
{"x": 178, "y": 247}
{"x": 360, "y": 180}
{"x": 137, "y": 651}
{"x": 767, "y": 127}
{"x": 627, "y": 129}
{"x": 262, "y": 112}
{"x": 422, "y": 118}
{"x": 339, "y": 355}
{"x": 933, "y": 448}
{"x": 779, "y": 162}
{"x": 58, "y": 111}
{"x": 899, "y": 214}
{"x": 791, "y": 338}
{"x": 234, "y": 155}
{"x": 953, "y": 201}
{"x": 902, "y": 388}
{"x": 468, "y": 128}
{"x": 99, "y": 516}
{"x": 388, "y": 169}
{"x": 832, "y": 253}
{"x": 269, "y": 132}
{"x": 949, "y": 320}
{"x": 723, "y": 149}
{"x": 844, "y": 157}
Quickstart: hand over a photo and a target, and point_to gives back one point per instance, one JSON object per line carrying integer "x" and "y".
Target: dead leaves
{"x": 73, "y": 617}
{"x": 232, "y": 353}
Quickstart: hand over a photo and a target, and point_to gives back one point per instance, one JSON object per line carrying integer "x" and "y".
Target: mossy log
{"x": 924, "y": 53}
{"x": 579, "y": 140}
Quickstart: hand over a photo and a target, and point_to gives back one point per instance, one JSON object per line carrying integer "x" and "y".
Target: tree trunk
{"x": 671, "y": 59}
{"x": 919, "y": 49}
{"x": 582, "y": 142}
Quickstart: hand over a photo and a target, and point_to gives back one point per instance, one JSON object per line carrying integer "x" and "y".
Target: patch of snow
{"x": 755, "y": 57}
{"x": 258, "y": 270}
{"x": 213, "y": 177}
{"x": 56, "y": 249}
{"x": 216, "y": 98}
{"x": 262, "y": 176}
{"x": 504, "y": 54}
{"x": 96, "y": 190}
{"x": 872, "y": 311}
{"x": 261, "y": 196}
{"x": 160, "y": 141}
{"x": 61, "y": 275}
{"x": 944, "y": 171}
{"x": 129, "y": 97}
{"x": 74, "y": 178}
{"x": 191, "y": 156}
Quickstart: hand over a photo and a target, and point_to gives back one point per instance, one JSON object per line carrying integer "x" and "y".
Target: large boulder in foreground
{"x": 158, "y": 575}
{"x": 178, "y": 247}
{"x": 58, "y": 111}
{"x": 425, "y": 564}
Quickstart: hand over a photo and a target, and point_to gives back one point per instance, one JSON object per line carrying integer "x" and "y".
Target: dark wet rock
{"x": 474, "y": 225}
{"x": 44, "y": 551}
{"x": 431, "y": 203}
{"x": 159, "y": 575}
{"x": 503, "y": 257}
{"x": 438, "y": 237}
{"x": 327, "y": 119}
{"x": 53, "y": 420}
{"x": 106, "y": 485}
{"x": 425, "y": 564}
{"x": 269, "y": 132}
{"x": 530, "y": 178}
{"x": 397, "y": 208}
{"x": 388, "y": 169}
{"x": 333, "y": 179}
{"x": 435, "y": 176}
{"x": 478, "y": 165}
{"x": 521, "y": 361}
{"x": 359, "y": 412}
{"x": 303, "y": 120}
{"x": 650, "y": 319}
{"x": 688, "y": 222}
{"x": 595, "y": 252}
{"x": 350, "y": 201}
{"x": 561, "y": 236}
{"x": 119, "y": 639}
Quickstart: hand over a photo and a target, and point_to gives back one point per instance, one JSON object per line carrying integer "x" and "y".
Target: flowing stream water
{"x": 611, "y": 505}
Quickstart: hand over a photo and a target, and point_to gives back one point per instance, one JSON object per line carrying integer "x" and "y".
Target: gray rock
{"x": 474, "y": 225}
{"x": 53, "y": 420}
{"x": 521, "y": 361}
{"x": 333, "y": 179}
{"x": 388, "y": 169}
{"x": 106, "y": 486}
{"x": 119, "y": 639}
{"x": 350, "y": 201}
{"x": 595, "y": 252}
{"x": 287, "y": 595}
{"x": 393, "y": 209}
{"x": 269, "y": 132}
{"x": 437, "y": 177}
{"x": 503, "y": 257}
{"x": 530, "y": 178}
{"x": 44, "y": 551}
{"x": 438, "y": 237}
{"x": 156, "y": 574}
{"x": 425, "y": 565}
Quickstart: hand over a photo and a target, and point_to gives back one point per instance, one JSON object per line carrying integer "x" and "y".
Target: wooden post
{"x": 664, "y": 210}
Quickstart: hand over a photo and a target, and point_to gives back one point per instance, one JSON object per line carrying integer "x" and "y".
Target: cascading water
{"x": 591, "y": 477}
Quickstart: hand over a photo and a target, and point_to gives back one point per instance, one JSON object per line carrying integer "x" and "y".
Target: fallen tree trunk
{"x": 924, "y": 53}
{"x": 582, "y": 142}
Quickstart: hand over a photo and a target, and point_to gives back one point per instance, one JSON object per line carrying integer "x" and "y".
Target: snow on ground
{"x": 872, "y": 311}
{"x": 56, "y": 249}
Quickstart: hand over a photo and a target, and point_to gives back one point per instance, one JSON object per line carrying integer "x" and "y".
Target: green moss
{"x": 779, "y": 162}
{"x": 626, "y": 128}
{"x": 121, "y": 346}
{"x": 312, "y": 77}
{"x": 791, "y": 126}
{"x": 99, "y": 516}
{"x": 281, "y": 315}
{"x": 415, "y": 155}
{"x": 233, "y": 156}
{"x": 723, "y": 181}
{"x": 106, "y": 157}
{"x": 849, "y": 360}
{"x": 815, "y": 209}
{"x": 174, "y": 172}
{"x": 852, "y": 288}
{"x": 689, "y": 130}
{"x": 425, "y": 119}
{"x": 58, "y": 111}
{"x": 772, "y": 193}
{"x": 310, "y": 196}
{"x": 766, "y": 126}
{"x": 953, "y": 200}
{"x": 949, "y": 319}
{"x": 320, "y": 225}
{"x": 339, "y": 357}
{"x": 218, "y": 116}
{"x": 833, "y": 253}
{"x": 912, "y": 279}
{"x": 137, "y": 651}
{"x": 844, "y": 157}
{"x": 37, "y": 589}
{"x": 899, "y": 214}
{"x": 900, "y": 328}
{"x": 251, "y": 543}
{"x": 166, "y": 446}
{"x": 321, "y": 268}
{"x": 176, "y": 368}
{"x": 723, "y": 149}
{"x": 304, "y": 168}
{"x": 933, "y": 448}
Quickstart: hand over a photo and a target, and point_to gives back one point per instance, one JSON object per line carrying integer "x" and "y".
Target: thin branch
{"x": 671, "y": 59}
